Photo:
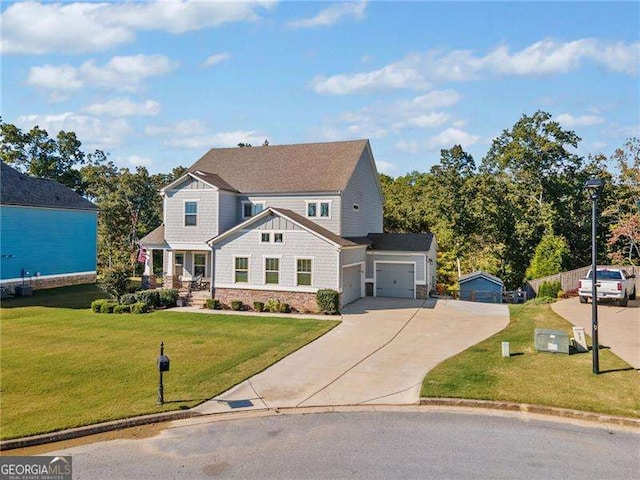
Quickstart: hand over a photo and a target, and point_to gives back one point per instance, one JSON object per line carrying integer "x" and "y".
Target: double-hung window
{"x": 241, "y": 269}
{"x": 272, "y": 271}
{"x": 303, "y": 272}
{"x": 190, "y": 214}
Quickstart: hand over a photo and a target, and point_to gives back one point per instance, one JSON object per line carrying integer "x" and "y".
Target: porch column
{"x": 148, "y": 278}
{"x": 169, "y": 279}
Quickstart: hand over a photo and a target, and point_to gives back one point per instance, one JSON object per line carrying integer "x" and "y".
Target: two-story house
{"x": 285, "y": 221}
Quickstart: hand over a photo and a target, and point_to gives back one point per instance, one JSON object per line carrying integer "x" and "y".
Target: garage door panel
{"x": 351, "y": 284}
{"x": 395, "y": 280}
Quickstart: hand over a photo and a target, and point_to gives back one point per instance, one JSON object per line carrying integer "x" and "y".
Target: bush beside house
{"x": 142, "y": 301}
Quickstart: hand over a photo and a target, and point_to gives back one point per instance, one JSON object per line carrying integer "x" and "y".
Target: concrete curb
{"x": 537, "y": 409}
{"x": 94, "y": 429}
{"x": 243, "y": 414}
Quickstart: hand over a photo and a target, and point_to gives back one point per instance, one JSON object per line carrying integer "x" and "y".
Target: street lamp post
{"x": 593, "y": 186}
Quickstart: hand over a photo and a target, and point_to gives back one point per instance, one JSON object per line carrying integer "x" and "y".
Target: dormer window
{"x": 318, "y": 209}
{"x": 249, "y": 209}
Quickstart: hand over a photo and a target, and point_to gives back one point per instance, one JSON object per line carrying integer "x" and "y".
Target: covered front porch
{"x": 188, "y": 269}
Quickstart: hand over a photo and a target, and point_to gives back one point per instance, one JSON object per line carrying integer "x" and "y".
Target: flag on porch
{"x": 142, "y": 255}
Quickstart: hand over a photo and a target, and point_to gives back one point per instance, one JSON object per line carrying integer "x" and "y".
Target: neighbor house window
{"x": 272, "y": 271}
{"x": 199, "y": 264}
{"x": 303, "y": 271}
{"x": 277, "y": 238}
{"x": 190, "y": 214}
{"x": 249, "y": 209}
{"x": 265, "y": 237}
{"x": 242, "y": 269}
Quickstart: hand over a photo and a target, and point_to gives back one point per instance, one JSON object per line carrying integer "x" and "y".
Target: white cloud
{"x": 120, "y": 73}
{"x": 332, "y": 15}
{"x": 193, "y": 134}
{"x": 450, "y": 137}
{"x": 136, "y": 161}
{"x": 123, "y": 107}
{"x": 93, "y": 132}
{"x": 419, "y": 71}
{"x": 39, "y": 28}
{"x": 407, "y": 146}
{"x": 215, "y": 59}
{"x": 386, "y": 167}
{"x": 569, "y": 121}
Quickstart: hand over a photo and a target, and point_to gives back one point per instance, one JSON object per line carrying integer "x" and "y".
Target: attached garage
{"x": 395, "y": 280}
{"x": 351, "y": 283}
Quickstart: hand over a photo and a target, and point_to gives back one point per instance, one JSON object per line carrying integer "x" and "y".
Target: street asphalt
{"x": 410, "y": 444}
{"x": 379, "y": 354}
{"x": 618, "y": 327}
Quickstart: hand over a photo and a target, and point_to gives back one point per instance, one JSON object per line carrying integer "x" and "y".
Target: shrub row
{"x": 328, "y": 302}
{"x": 142, "y": 301}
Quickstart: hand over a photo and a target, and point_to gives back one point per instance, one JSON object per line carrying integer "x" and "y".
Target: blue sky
{"x": 158, "y": 84}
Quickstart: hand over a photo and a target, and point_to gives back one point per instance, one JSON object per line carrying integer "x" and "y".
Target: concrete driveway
{"x": 618, "y": 327}
{"x": 379, "y": 354}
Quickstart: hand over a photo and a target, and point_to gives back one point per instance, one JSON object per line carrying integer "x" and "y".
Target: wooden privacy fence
{"x": 569, "y": 280}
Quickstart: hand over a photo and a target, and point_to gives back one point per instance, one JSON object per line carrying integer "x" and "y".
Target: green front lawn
{"x": 534, "y": 377}
{"x": 66, "y": 367}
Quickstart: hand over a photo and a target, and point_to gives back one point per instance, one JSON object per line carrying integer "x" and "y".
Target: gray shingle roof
{"x": 309, "y": 167}
{"x": 155, "y": 237}
{"x": 314, "y": 227}
{"x": 213, "y": 179}
{"x": 19, "y": 189}
{"x": 404, "y": 242}
{"x": 479, "y": 273}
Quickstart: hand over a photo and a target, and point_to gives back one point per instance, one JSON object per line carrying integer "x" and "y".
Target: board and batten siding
{"x": 297, "y": 204}
{"x": 207, "y": 226}
{"x": 363, "y": 191}
{"x": 298, "y": 243}
{"x": 47, "y": 241}
{"x": 418, "y": 258}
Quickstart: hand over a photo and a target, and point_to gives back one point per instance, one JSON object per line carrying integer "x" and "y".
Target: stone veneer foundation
{"x": 39, "y": 283}
{"x": 302, "y": 302}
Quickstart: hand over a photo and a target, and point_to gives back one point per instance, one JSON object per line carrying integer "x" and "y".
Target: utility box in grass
{"x": 554, "y": 341}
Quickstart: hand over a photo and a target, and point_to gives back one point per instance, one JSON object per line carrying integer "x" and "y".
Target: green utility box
{"x": 555, "y": 341}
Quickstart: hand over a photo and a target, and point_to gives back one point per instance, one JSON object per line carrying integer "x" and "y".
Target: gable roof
{"x": 309, "y": 167}
{"x": 303, "y": 222}
{"x": 403, "y": 242}
{"x": 19, "y": 189}
{"x": 155, "y": 237}
{"x": 210, "y": 179}
{"x": 480, "y": 274}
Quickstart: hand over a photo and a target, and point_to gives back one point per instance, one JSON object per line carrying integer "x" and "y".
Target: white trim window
{"x": 278, "y": 237}
{"x": 304, "y": 267}
{"x": 272, "y": 271}
{"x": 318, "y": 208}
{"x": 241, "y": 270}
{"x": 249, "y": 209}
{"x": 265, "y": 237}
{"x": 199, "y": 264}
{"x": 190, "y": 213}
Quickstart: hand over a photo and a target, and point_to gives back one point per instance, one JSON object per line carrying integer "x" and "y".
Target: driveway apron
{"x": 379, "y": 354}
{"x": 618, "y": 327}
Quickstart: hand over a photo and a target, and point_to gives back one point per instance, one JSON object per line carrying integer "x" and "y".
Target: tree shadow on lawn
{"x": 77, "y": 297}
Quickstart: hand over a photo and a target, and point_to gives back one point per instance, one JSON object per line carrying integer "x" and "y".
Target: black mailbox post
{"x": 163, "y": 366}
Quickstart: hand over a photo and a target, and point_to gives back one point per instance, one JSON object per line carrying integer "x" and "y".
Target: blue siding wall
{"x": 45, "y": 240}
{"x": 483, "y": 291}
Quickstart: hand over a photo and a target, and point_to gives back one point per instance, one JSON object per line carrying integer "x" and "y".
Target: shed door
{"x": 351, "y": 284}
{"x": 395, "y": 280}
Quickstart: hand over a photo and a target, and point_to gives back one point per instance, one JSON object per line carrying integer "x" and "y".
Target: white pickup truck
{"x": 611, "y": 284}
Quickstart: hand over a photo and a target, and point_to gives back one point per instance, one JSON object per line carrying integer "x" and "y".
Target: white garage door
{"x": 395, "y": 280}
{"x": 351, "y": 284}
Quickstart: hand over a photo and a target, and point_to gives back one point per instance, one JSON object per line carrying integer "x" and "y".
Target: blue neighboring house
{"x": 481, "y": 287}
{"x": 48, "y": 233}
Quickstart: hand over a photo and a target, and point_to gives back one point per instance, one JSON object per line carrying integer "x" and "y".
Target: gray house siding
{"x": 207, "y": 223}
{"x": 362, "y": 191}
{"x": 228, "y": 210}
{"x": 298, "y": 243}
{"x": 349, "y": 257}
{"x": 298, "y": 204}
